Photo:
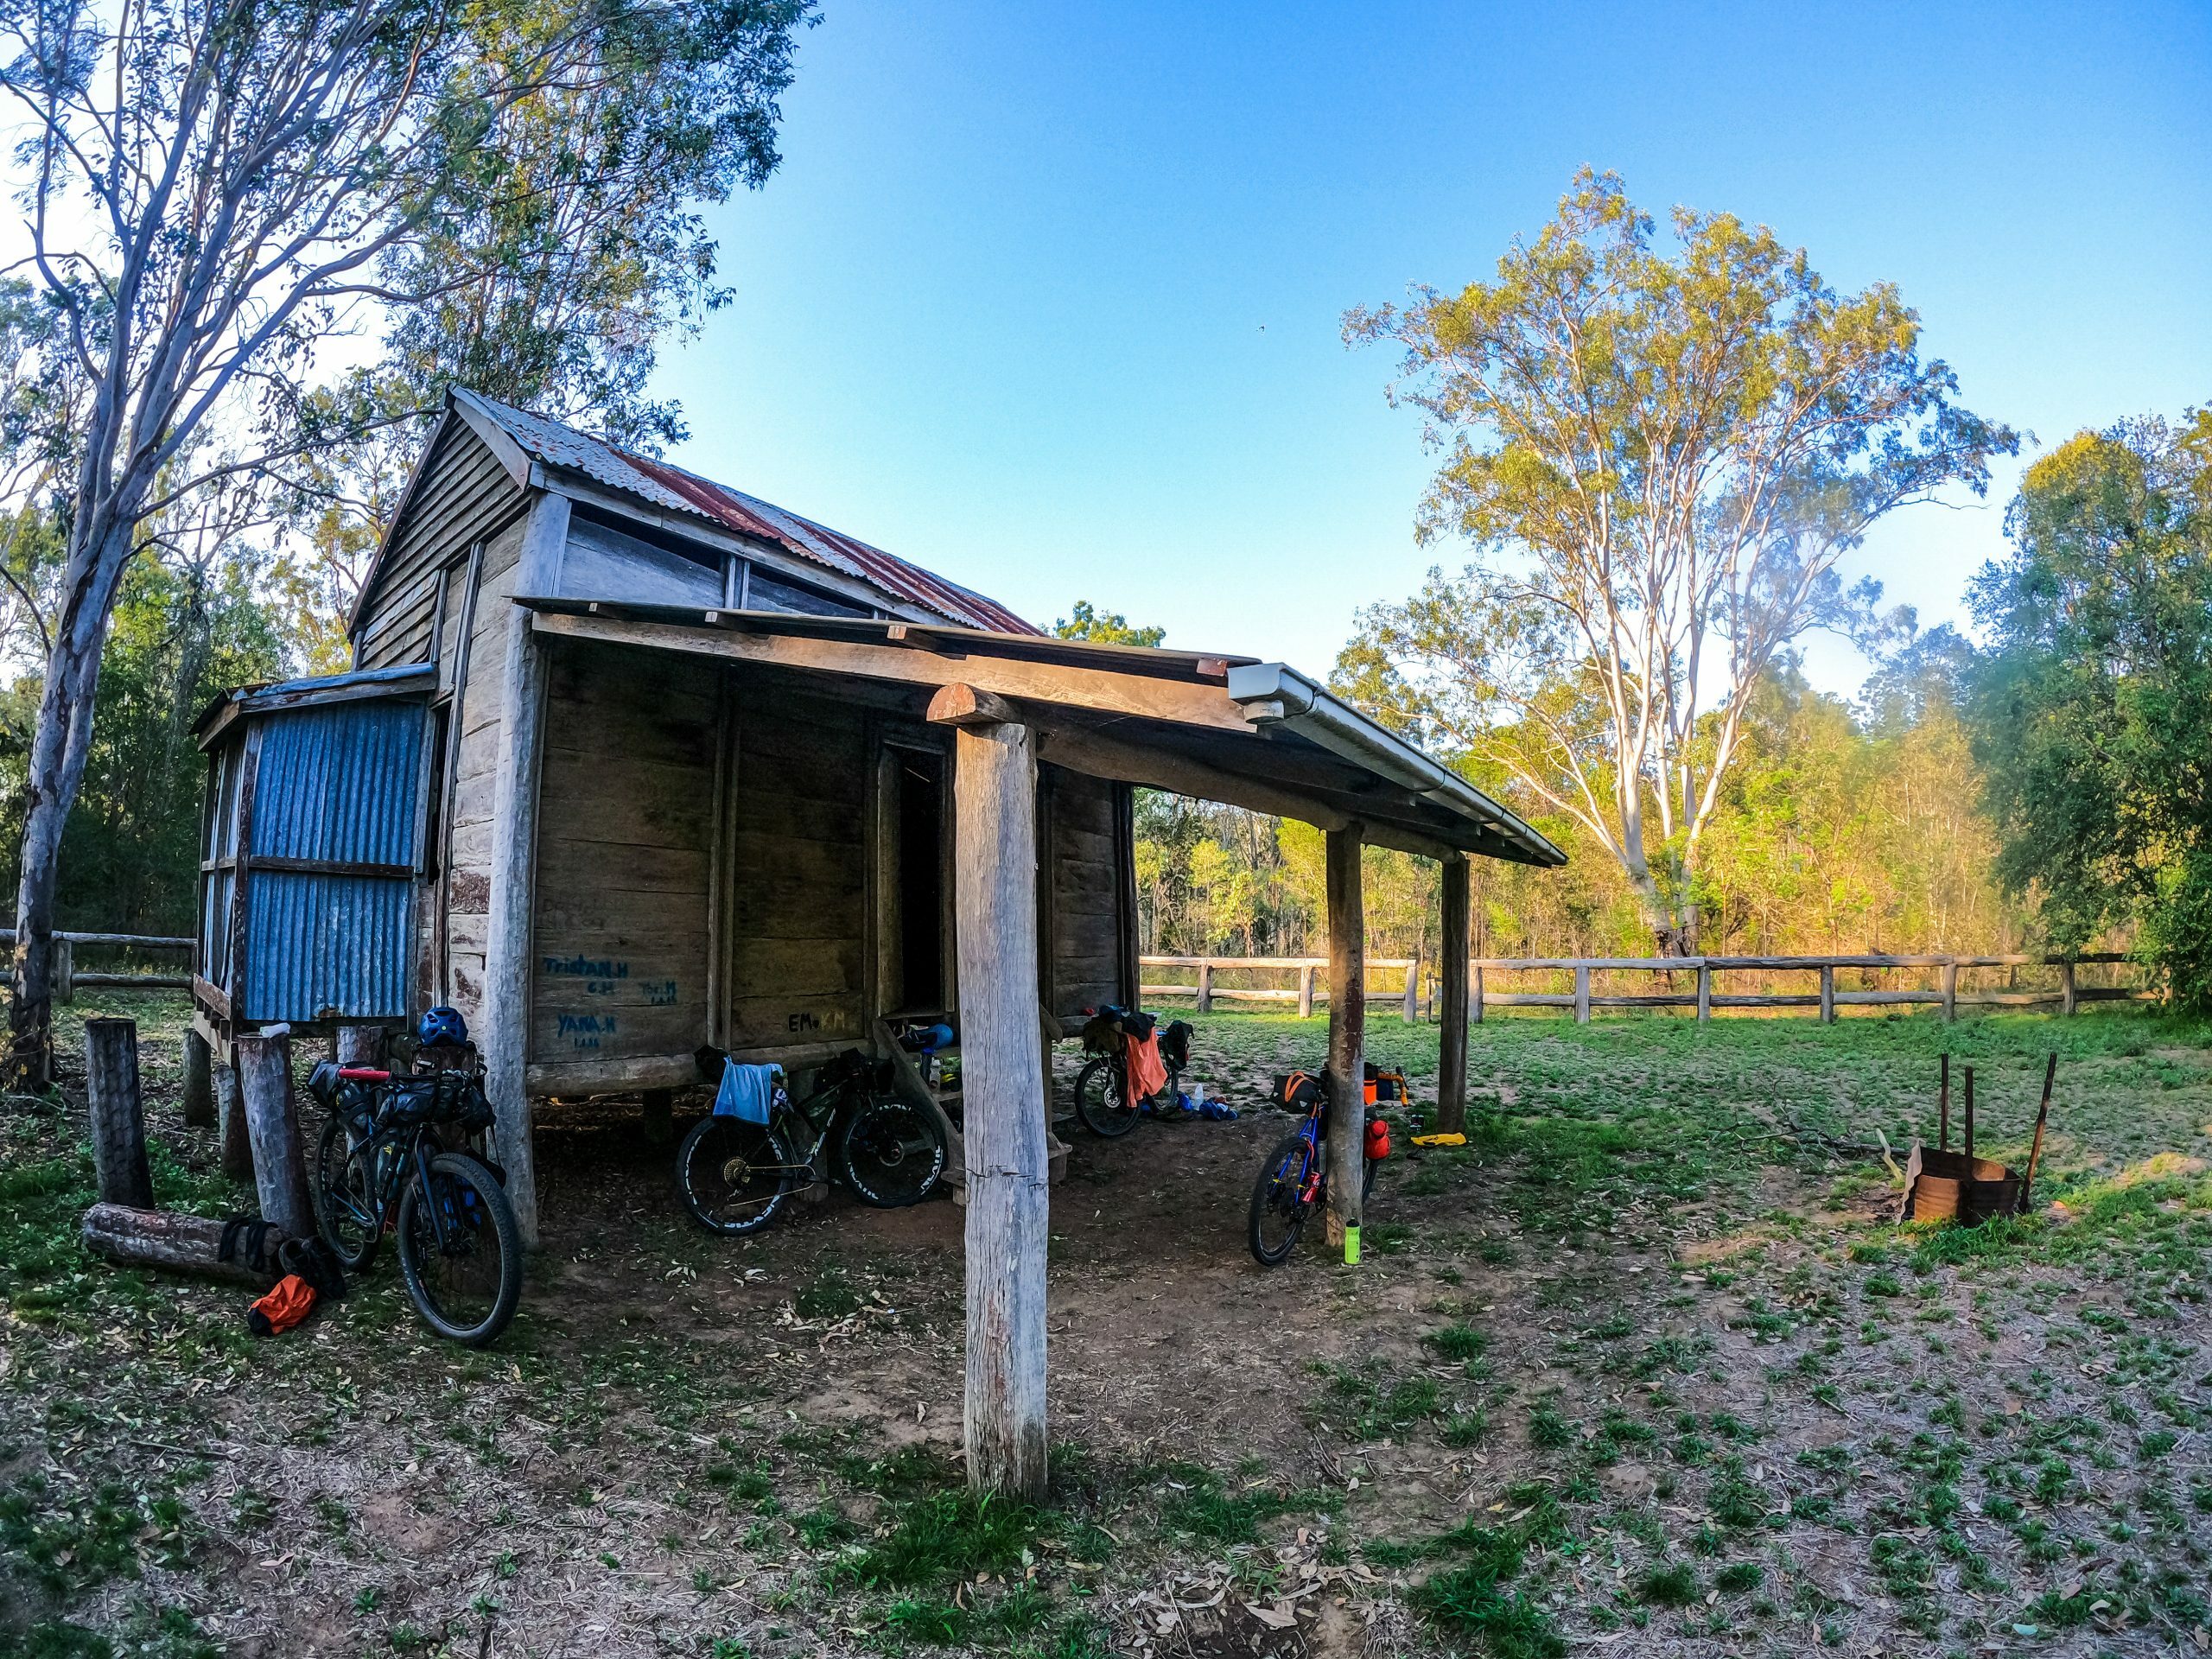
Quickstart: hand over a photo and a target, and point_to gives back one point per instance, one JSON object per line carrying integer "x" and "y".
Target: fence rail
{"x": 67, "y": 979}
{"x": 2066, "y": 995}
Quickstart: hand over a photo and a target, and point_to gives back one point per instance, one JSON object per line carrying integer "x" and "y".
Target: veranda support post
{"x": 272, "y": 1120}
{"x": 1452, "y": 1053}
{"x": 1347, "y": 1030}
{"x": 995, "y": 882}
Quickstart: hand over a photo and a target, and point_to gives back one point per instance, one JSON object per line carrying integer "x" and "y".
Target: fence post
{"x": 64, "y": 971}
{"x": 1703, "y": 995}
{"x": 1475, "y": 998}
{"x": 280, "y": 1169}
{"x": 2066, "y": 988}
{"x": 1827, "y": 993}
{"x": 1581, "y": 996}
{"x": 1206, "y": 987}
{"x": 1306, "y": 992}
{"x": 199, "y": 1082}
{"x": 1950, "y": 990}
{"x": 1412, "y": 989}
{"x": 118, "y": 1117}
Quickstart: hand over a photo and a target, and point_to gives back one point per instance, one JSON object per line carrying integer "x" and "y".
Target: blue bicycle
{"x": 1295, "y": 1178}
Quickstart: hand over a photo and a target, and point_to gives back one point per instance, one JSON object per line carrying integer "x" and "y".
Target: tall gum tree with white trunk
{"x": 1659, "y": 454}
{"x": 213, "y": 187}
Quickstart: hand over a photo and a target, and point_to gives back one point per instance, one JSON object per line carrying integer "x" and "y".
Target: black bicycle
{"x": 397, "y": 1156}
{"x": 1105, "y": 1100}
{"x": 734, "y": 1174}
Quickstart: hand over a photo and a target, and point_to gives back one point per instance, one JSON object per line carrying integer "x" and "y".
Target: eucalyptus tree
{"x": 1660, "y": 453}
{"x": 213, "y": 188}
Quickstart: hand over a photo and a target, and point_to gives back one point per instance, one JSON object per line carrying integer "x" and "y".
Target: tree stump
{"x": 230, "y": 1118}
{"x": 199, "y": 1082}
{"x": 280, "y": 1168}
{"x": 119, "y": 1116}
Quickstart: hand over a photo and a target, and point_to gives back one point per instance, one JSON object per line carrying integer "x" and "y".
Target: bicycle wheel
{"x": 891, "y": 1152}
{"x": 466, "y": 1288}
{"x": 1100, "y": 1100}
{"x": 1279, "y": 1202}
{"x": 345, "y": 1197}
{"x": 734, "y": 1175}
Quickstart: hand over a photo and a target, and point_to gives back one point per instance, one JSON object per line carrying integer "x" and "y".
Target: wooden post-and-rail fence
{"x": 68, "y": 978}
{"x": 2065, "y": 997}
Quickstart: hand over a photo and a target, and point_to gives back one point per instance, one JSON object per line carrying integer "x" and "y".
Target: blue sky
{"x": 1046, "y": 297}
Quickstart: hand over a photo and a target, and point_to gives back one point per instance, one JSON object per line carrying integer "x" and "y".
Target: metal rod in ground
{"x": 1944, "y": 1110}
{"x": 119, "y": 1116}
{"x": 2034, "y": 1151}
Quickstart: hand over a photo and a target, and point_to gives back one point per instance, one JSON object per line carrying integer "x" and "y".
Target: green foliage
{"x": 1104, "y": 627}
{"x": 2093, "y": 706}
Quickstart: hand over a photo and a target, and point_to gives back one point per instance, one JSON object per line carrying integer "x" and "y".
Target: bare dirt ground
{"x": 1644, "y": 1368}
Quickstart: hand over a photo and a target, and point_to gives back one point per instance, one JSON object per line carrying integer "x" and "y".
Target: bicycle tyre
{"x": 341, "y": 1209}
{"x": 890, "y": 1152}
{"x": 766, "y": 1179}
{"x": 1271, "y": 1201}
{"x": 416, "y": 1232}
{"x": 1098, "y": 1100}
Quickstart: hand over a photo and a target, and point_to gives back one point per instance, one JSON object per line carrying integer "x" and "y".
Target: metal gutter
{"x": 1275, "y": 694}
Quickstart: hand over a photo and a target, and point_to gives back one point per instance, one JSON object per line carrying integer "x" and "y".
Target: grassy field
{"x": 1644, "y": 1369}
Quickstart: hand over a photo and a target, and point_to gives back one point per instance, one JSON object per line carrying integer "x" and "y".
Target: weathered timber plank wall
{"x": 625, "y": 845}
{"x": 1080, "y": 898}
{"x": 465, "y": 493}
{"x": 798, "y": 871}
{"x": 483, "y": 721}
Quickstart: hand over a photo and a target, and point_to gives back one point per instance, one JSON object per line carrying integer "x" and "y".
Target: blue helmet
{"x": 442, "y": 1026}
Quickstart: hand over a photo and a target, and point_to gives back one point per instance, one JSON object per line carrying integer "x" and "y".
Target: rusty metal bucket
{"x": 1941, "y": 1184}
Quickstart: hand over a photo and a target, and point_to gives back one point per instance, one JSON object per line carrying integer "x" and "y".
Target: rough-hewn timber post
{"x": 1950, "y": 990}
{"x": 1704, "y": 993}
{"x": 360, "y": 1045}
{"x": 1347, "y": 1076}
{"x": 1827, "y": 993}
{"x": 1306, "y": 992}
{"x": 503, "y": 1023}
{"x": 1410, "y": 1011}
{"x": 280, "y": 1164}
{"x": 2066, "y": 997}
{"x": 118, "y": 1118}
{"x": 1475, "y": 999}
{"x": 994, "y": 881}
{"x": 1451, "y": 1053}
{"x": 1206, "y": 987}
{"x": 199, "y": 1082}
{"x": 230, "y": 1124}
{"x": 65, "y": 970}
{"x": 1581, "y": 996}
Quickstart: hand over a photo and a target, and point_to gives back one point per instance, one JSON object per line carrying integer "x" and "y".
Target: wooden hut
{"x": 631, "y": 761}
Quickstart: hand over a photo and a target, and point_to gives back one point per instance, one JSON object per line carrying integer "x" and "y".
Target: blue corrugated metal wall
{"x": 336, "y": 784}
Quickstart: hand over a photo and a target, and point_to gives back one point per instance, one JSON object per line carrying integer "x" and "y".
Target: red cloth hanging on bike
{"x": 1147, "y": 1072}
{"x": 282, "y": 1308}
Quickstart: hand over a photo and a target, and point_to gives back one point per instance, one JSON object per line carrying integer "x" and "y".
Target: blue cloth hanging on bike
{"x": 747, "y": 1091}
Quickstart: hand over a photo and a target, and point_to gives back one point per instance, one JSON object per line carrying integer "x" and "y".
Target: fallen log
{"x": 160, "y": 1238}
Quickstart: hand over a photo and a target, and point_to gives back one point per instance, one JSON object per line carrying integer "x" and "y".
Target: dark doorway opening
{"x": 921, "y": 871}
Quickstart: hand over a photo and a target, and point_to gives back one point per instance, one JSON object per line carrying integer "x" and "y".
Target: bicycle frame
{"x": 410, "y": 1145}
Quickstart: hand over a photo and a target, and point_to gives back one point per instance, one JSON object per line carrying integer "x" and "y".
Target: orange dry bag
{"x": 282, "y": 1308}
{"x": 1378, "y": 1138}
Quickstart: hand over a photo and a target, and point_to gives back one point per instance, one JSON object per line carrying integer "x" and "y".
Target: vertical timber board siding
{"x": 464, "y": 493}
{"x": 1084, "y": 900}
{"x": 625, "y": 839}
{"x": 799, "y": 870}
{"x": 467, "y": 874}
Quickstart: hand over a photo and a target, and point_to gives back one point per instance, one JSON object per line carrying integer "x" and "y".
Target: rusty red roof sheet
{"x": 672, "y": 487}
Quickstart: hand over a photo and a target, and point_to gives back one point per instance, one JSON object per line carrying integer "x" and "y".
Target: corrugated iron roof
{"x": 677, "y": 491}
